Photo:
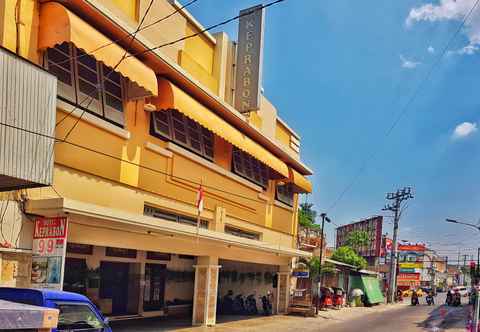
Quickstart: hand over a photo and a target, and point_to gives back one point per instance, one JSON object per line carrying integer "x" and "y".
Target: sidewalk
{"x": 296, "y": 323}
{"x": 256, "y": 323}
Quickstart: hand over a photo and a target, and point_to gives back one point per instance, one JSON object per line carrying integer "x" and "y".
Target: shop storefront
{"x": 130, "y": 282}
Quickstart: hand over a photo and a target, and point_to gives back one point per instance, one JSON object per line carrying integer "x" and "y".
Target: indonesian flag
{"x": 199, "y": 201}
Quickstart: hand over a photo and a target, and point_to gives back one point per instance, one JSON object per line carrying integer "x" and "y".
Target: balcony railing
{"x": 27, "y": 123}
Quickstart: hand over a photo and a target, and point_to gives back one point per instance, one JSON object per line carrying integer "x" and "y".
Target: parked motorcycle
{"x": 414, "y": 300}
{"x": 338, "y": 300}
{"x": 449, "y": 299}
{"x": 226, "y": 304}
{"x": 267, "y": 304}
{"x": 251, "y": 305}
{"x": 457, "y": 299}
{"x": 429, "y": 299}
{"x": 239, "y": 305}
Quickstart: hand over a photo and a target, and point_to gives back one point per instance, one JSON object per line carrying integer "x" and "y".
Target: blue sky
{"x": 340, "y": 72}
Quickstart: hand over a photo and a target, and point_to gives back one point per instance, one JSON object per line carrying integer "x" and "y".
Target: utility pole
{"x": 464, "y": 269}
{"x": 397, "y": 197}
{"x": 319, "y": 285}
{"x": 478, "y": 258}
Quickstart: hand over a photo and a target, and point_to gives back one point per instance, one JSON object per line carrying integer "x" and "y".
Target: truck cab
{"x": 76, "y": 311}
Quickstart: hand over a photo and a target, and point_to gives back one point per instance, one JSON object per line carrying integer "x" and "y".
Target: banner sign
{"x": 373, "y": 227}
{"x": 410, "y": 283}
{"x": 409, "y": 270}
{"x": 300, "y": 274}
{"x": 248, "y": 78}
{"x": 48, "y": 253}
{"x": 411, "y": 265}
{"x": 409, "y": 276}
{"x": 411, "y": 247}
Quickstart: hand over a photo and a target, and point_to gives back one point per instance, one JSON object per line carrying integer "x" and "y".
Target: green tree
{"x": 357, "y": 239}
{"x": 307, "y": 215}
{"x": 347, "y": 255}
{"x": 313, "y": 264}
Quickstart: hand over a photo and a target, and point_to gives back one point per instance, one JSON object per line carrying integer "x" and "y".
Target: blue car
{"x": 77, "y": 312}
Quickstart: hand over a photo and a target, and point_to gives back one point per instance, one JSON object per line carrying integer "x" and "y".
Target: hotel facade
{"x": 117, "y": 132}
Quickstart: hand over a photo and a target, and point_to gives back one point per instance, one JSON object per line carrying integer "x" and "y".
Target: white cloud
{"x": 464, "y": 129}
{"x": 469, "y": 49}
{"x": 430, "y": 49}
{"x": 409, "y": 64}
{"x": 448, "y": 10}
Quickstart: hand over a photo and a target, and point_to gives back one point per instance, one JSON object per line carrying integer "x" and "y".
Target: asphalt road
{"x": 408, "y": 319}
{"x": 404, "y": 318}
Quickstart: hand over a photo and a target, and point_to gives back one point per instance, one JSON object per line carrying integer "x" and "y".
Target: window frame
{"x": 176, "y": 120}
{"x": 110, "y": 112}
{"x": 282, "y": 196}
{"x": 67, "y": 91}
{"x": 244, "y": 165}
{"x": 238, "y": 232}
{"x": 159, "y": 213}
{"x": 82, "y": 100}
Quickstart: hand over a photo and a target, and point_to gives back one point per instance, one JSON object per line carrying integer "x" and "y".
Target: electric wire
{"x": 405, "y": 108}
{"x": 252, "y": 11}
{"x": 116, "y": 41}
{"x": 134, "y": 35}
{"x": 86, "y": 148}
{"x": 201, "y": 32}
{"x": 108, "y": 75}
{"x": 126, "y": 55}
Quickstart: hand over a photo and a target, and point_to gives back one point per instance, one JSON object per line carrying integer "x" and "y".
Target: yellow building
{"x": 135, "y": 144}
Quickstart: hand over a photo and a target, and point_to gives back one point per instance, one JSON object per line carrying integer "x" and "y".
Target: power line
{"x": 116, "y": 41}
{"x": 404, "y": 109}
{"x": 64, "y": 140}
{"x": 96, "y": 88}
{"x": 86, "y": 148}
{"x": 252, "y": 11}
{"x": 177, "y": 41}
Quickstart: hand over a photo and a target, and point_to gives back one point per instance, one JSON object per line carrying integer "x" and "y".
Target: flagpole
{"x": 199, "y": 207}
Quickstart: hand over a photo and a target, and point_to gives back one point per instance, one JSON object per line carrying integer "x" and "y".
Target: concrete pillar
{"x": 220, "y": 68}
{"x": 205, "y": 291}
{"x": 219, "y": 219}
{"x": 283, "y": 290}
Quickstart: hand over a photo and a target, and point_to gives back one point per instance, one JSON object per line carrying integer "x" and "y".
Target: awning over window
{"x": 58, "y": 25}
{"x": 300, "y": 183}
{"x": 171, "y": 97}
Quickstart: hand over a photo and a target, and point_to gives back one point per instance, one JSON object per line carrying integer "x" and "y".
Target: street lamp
{"x": 324, "y": 218}
{"x": 453, "y": 221}
{"x": 477, "y": 305}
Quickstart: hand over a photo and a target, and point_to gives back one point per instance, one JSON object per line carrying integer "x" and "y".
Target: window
{"x": 87, "y": 83}
{"x": 250, "y": 168}
{"x": 59, "y": 61}
{"x": 120, "y": 252}
{"x": 175, "y": 126}
{"x": 241, "y": 233}
{"x": 285, "y": 194}
{"x": 77, "y": 317}
{"x": 158, "y": 213}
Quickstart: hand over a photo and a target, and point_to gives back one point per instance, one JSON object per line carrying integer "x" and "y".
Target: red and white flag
{"x": 199, "y": 202}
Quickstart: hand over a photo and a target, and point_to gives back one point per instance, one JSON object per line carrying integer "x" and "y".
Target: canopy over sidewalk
{"x": 370, "y": 286}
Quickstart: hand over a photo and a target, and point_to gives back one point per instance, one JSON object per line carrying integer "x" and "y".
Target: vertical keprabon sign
{"x": 248, "y": 79}
{"x": 49, "y": 247}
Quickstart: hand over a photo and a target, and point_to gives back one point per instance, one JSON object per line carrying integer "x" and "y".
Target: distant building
{"x": 373, "y": 226}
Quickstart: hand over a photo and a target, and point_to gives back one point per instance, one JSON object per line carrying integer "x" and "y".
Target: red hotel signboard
{"x": 49, "y": 246}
